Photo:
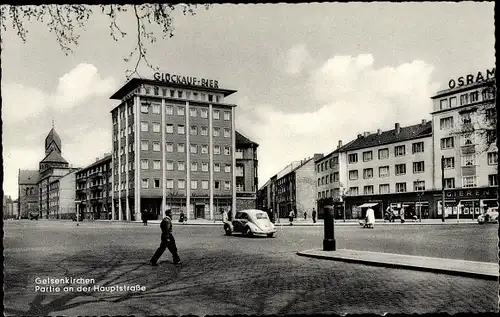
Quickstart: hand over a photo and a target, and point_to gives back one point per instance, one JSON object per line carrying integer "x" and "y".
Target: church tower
{"x": 53, "y": 150}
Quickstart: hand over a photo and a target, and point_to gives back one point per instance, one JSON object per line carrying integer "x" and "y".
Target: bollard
{"x": 329, "y": 229}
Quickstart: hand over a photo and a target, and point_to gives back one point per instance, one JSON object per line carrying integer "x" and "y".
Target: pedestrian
{"x": 402, "y": 214}
{"x": 305, "y": 215}
{"x": 225, "y": 218}
{"x": 181, "y": 217}
{"x": 370, "y": 218}
{"x": 291, "y": 215}
{"x": 167, "y": 240}
{"x": 314, "y": 215}
{"x": 144, "y": 216}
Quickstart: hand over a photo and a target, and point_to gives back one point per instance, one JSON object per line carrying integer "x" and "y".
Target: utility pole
{"x": 442, "y": 184}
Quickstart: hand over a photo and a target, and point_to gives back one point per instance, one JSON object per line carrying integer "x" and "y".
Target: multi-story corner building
{"x": 52, "y": 167}
{"x": 464, "y": 134}
{"x": 392, "y": 167}
{"x": 173, "y": 145}
{"x": 94, "y": 188}
{"x": 247, "y": 180}
{"x": 264, "y": 197}
{"x": 62, "y": 197}
{"x": 27, "y": 192}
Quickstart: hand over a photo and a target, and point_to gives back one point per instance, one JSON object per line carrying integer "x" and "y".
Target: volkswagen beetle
{"x": 250, "y": 222}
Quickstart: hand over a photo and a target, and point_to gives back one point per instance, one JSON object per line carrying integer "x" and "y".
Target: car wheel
{"x": 228, "y": 231}
{"x": 248, "y": 232}
{"x": 271, "y": 235}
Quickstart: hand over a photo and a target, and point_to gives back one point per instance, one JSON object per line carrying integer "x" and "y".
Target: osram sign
{"x": 471, "y": 79}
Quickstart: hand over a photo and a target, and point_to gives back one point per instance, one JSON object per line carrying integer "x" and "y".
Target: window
{"x": 418, "y": 167}
{"x": 156, "y": 146}
{"x": 144, "y": 164}
{"x": 216, "y": 114}
{"x": 383, "y": 171}
{"x": 193, "y": 148}
{"x": 217, "y": 149}
{"x": 170, "y": 147}
{"x": 491, "y": 114}
{"x": 368, "y": 173}
{"x": 217, "y": 167}
{"x": 488, "y": 93}
{"x": 353, "y": 175}
{"x": 144, "y": 183}
{"x": 164, "y": 92}
{"x": 400, "y": 169}
{"x": 156, "y": 107}
{"x": 449, "y": 182}
{"x": 227, "y": 115}
{"x": 469, "y": 160}
{"x": 418, "y": 186}
{"x": 240, "y": 170}
{"x": 204, "y": 131}
{"x": 227, "y": 185}
{"x": 180, "y": 147}
{"x": 446, "y": 123}
{"x": 492, "y": 158}
{"x": 170, "y": 183}
{"x": 194, "y": 166}
{"x": 383, "y": 189}
{"x": 383, "y": 154}
{"x": 353, "y": 158}
{"x": 180, "y": 110}
{"x": 474, "y": 96}
{"x": 399, "y": 150}
{"x": 181, "y": 166}
{"x": 464, "y": 99}
{"x": 181, "y": 184}
{"x": 367, "y": 156}
{"x": 491, "y": 136}
{"x": 156, "y": 183}
{"x": 216, "y": 132}
{"x": 156, "y": 164}
{"x": 353, "y": 191}
{"x": 449, "y": 162}
{"x": 204, "y": 149}
{"x": 227, "y": 150}
{"x": 193, "y": 112}
{"x": 204, "y": 113}
{"x": 469, "y": 181}
{"x": 400, "y": 187}
{"x": 194, "y": 130}
{"x": 170, "y": 128}
{"x": 443, "y": 104}
{"x": 169, "y": 110}
{"x": 170, "y": 165}
{"x": 227, "y": 168}
{"x": 417, "y": 147}
{"x": 368, "y": 190}
{"x": 144, "y": 126}
{"x": 336, "y": 176}
{"x": 216, "y": 184}
{"x": 194, "y": 184}
{"x": 453, "y": 102}
{"x": 144, "y": 145}
{"x": 493, "y": 180}
{"x": 204, "y": 167}
{"x": 180, "y": 129}
{"x": 447, "y": 143}
{"x": 144, "y": 108}
{"x": 203, "y": 96}
{"x": 227, "y": 132}
{"x": 335, "y": 160}
{"x": 466, "y": 119}
{"x": 204, "y": 184}
{"x": 210, "y": 97}
{"x": 156, "y": 127}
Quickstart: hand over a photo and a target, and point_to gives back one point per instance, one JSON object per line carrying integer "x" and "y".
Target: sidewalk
{"x": 482, "y": 270}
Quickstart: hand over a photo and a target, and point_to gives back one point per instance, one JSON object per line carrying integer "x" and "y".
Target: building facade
{"x": 93, "y": 189}
{"x": 464, "y": 137}
{"x": 173, "y": 146}
{"x": 246, "y": 171}
{"x": 9, "y": 212}
{"x": 62, "y": 197}
{"x": 27, "y": 182}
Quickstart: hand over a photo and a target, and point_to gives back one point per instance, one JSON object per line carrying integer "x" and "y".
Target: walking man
{"x": 144, "y": 216}
{"x": 291, "y": 215}
{"x": 167, "y": 240}
{"x": 314, "y": 215}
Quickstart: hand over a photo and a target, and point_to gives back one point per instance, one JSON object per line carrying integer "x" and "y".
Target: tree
{"x": 64, "y": 21}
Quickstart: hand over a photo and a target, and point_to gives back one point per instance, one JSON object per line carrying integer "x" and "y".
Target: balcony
{"x": 96, "y": 175}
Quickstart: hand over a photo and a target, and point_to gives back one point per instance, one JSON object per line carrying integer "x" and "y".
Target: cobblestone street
{"x": 236, "y": 275}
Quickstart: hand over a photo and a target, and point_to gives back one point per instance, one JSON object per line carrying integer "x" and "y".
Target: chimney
{"x": 340, "y": 144}
{"x": 379, "y": 131}
{"x": 96, "y": 159}
{"x": 365, "y": 134}
{"x": 424, "y": 121}
{"x": 317, "y": 156}
{"x": 397, "y": 128}
{"x": 359, "y": 135}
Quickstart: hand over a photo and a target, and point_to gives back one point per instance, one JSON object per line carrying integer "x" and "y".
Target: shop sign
{"x": 471, "y": 193}
{"x": 186, "y": 80}
{"x": 471, "y": 78}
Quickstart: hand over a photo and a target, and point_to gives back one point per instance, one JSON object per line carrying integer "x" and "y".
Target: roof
{"x": 28, "y": 177}
{"x": 241, "y": 139}
{"x": 98, "y": 162}
{"x": 388, "y": 137}
{"x": 136, "y": 82}
{"x": 53, "y": 136}
{"x": 449, "y": 91}
{"x": 338, "y": 150}
{"x": 54, "y": 157}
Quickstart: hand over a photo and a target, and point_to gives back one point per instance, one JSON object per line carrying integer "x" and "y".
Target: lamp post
{"x": 442, "y": 185}
{"x": 329, "y": 229}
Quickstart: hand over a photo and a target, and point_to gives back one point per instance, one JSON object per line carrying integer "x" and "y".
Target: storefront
{"x": 466, "y": 203}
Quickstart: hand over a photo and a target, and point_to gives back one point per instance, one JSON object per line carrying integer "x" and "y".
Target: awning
{"x": 367, "y": 205}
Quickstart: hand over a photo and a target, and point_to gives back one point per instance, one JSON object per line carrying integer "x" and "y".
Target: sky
{"x": 306, "y": 75}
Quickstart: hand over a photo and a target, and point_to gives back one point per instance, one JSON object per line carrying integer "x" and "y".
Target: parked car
{"x": 491, "y": 215}
{"x": 250, "y": 222}
{"x": 33, "y": 215}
